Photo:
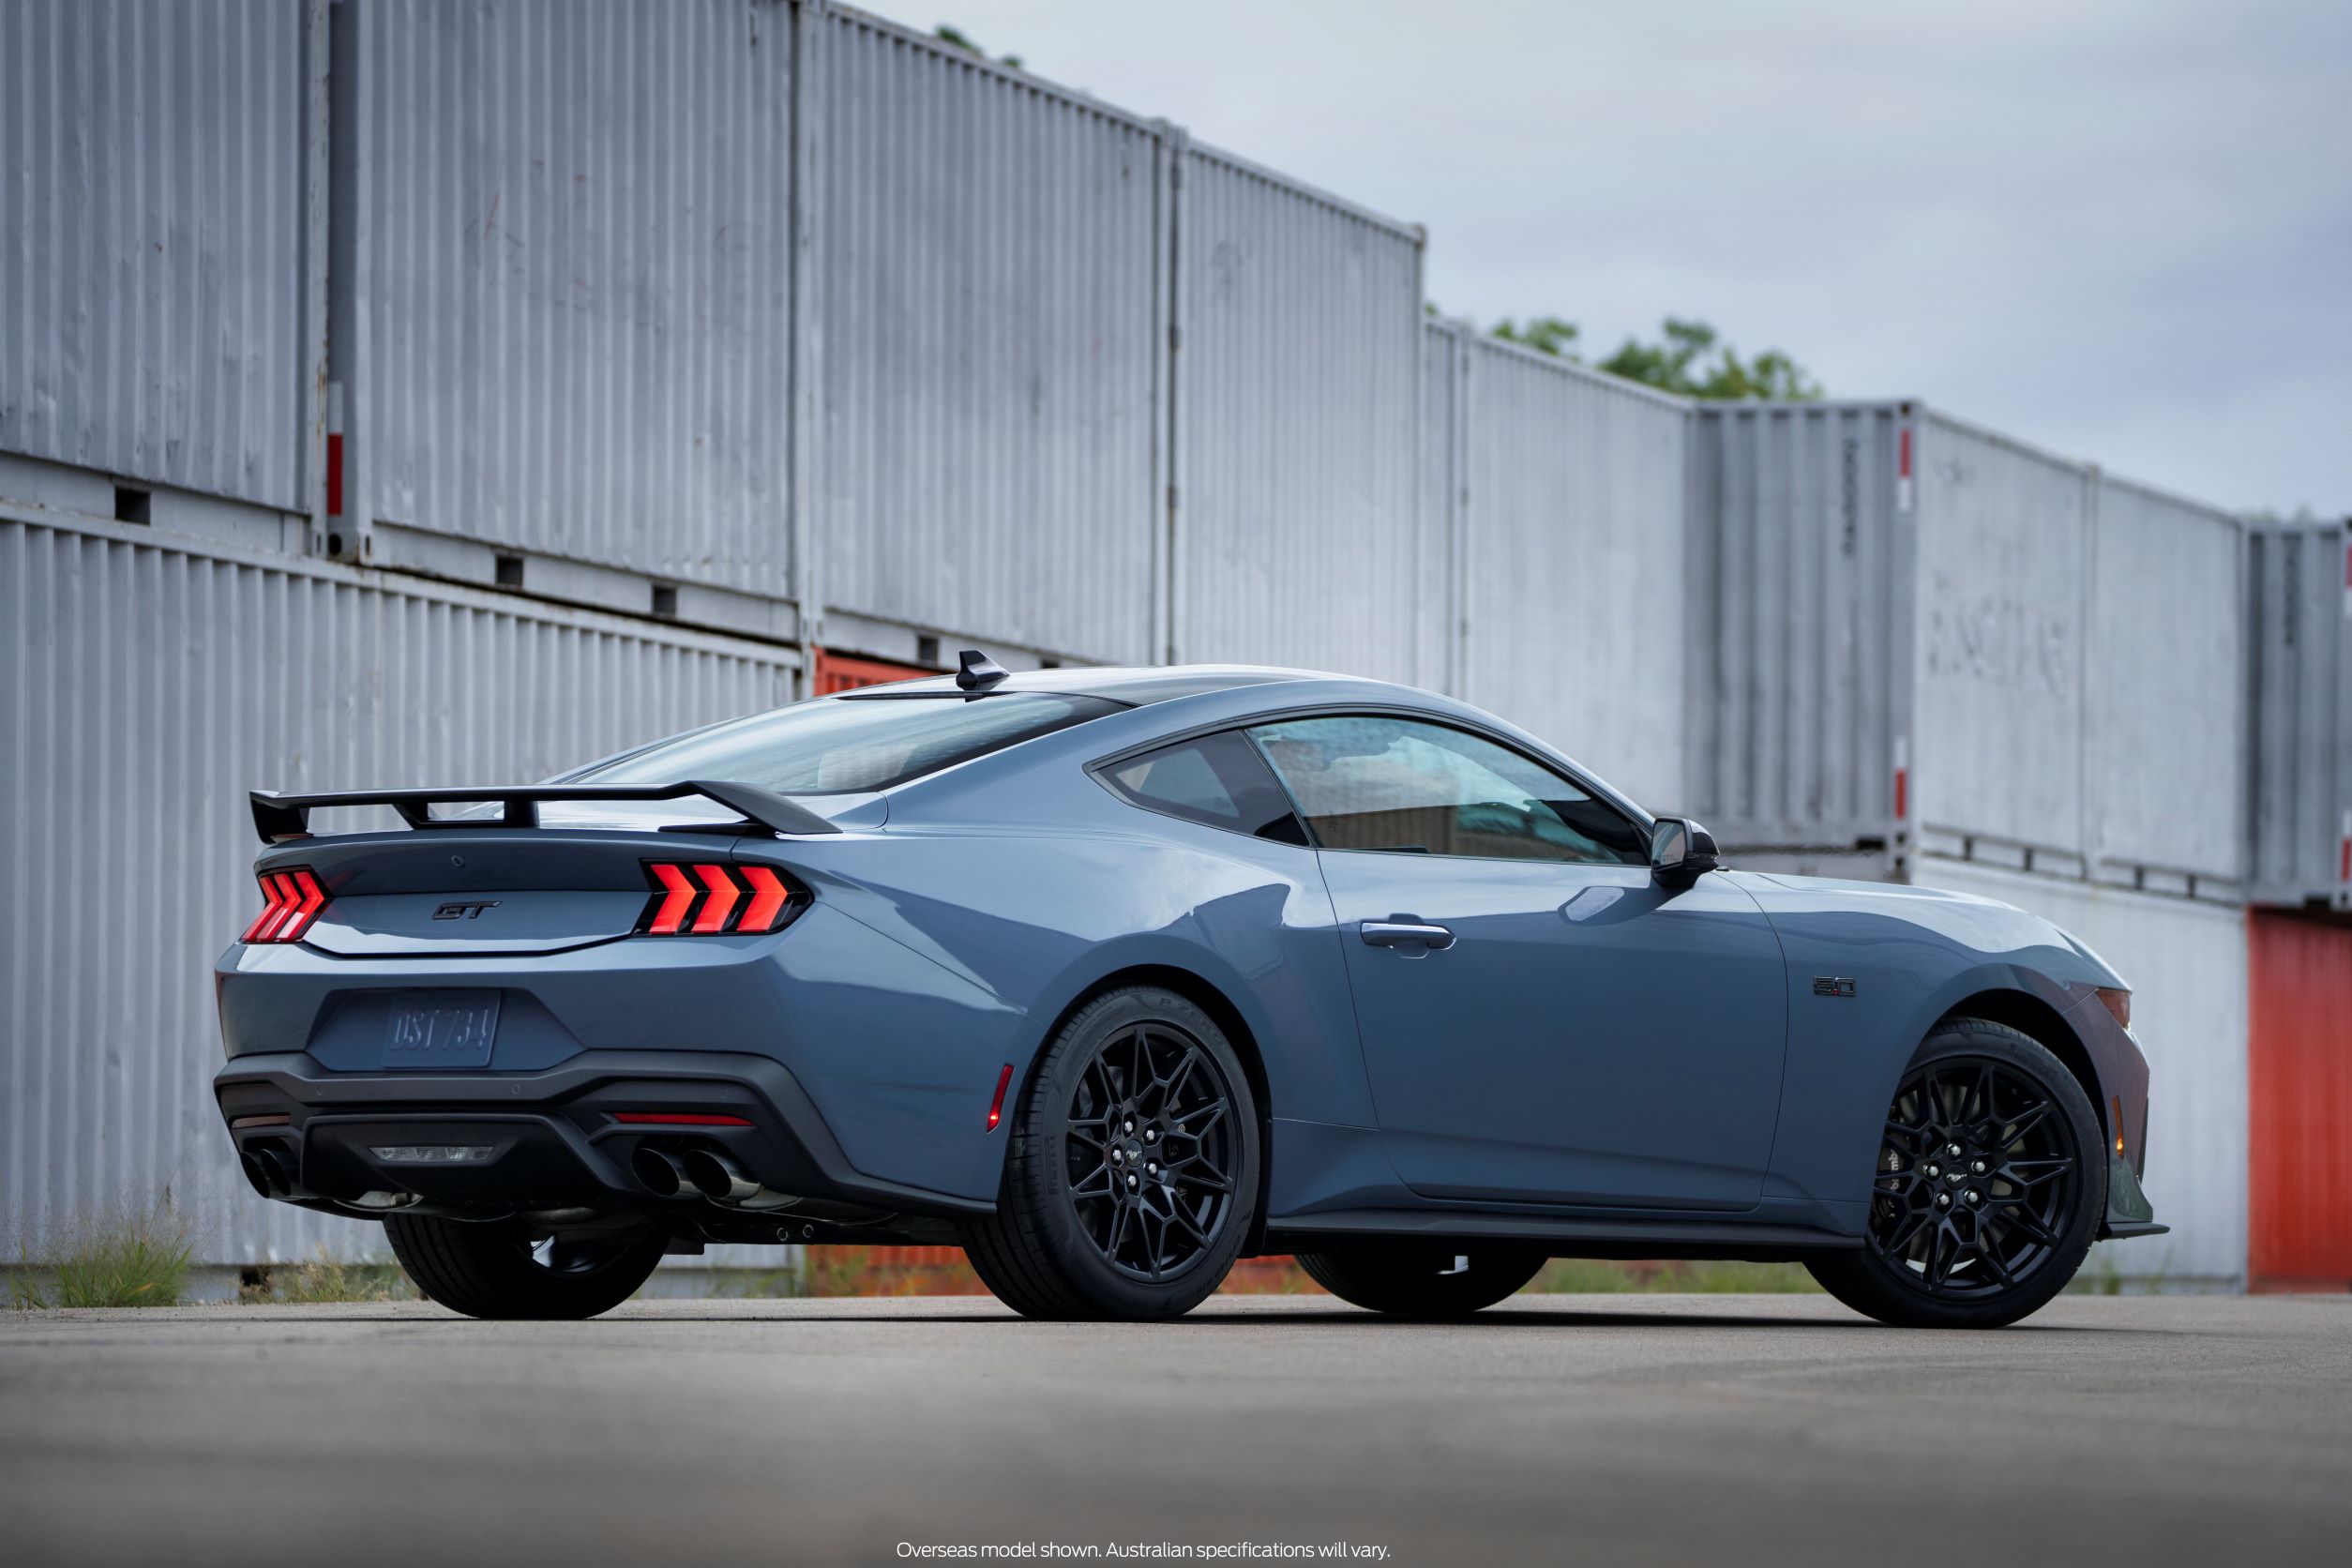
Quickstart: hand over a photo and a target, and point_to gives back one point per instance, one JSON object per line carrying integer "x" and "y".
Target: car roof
{"x": 1134, "y": 686}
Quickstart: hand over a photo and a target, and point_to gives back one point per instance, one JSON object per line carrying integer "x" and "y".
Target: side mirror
{"x": 1682, "y": 851}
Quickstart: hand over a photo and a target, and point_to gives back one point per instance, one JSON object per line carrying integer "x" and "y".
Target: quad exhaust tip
{"x": 658, "y": 1171}
{"x": 718, "y": 1178}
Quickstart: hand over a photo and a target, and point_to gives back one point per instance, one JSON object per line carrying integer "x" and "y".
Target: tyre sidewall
{"x": 1045, "y": 1118}
{"x": 1867, "y": 1282}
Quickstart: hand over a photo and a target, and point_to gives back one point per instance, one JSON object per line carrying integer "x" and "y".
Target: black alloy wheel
{"x": 1131, "y": 1182}
{"x": 513, "y": 1269}
{"x": 1150, "y": 1149}
{"x": 1987, "y": 1189}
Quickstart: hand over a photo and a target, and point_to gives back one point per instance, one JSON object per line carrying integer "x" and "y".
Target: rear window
{"x": 831, "y": 747}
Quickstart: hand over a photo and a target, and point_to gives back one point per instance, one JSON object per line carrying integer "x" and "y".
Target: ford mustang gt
{"x": 1113, "y": 976}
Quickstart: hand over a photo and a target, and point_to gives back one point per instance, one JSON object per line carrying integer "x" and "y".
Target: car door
{"x": 1541, "y": 1019}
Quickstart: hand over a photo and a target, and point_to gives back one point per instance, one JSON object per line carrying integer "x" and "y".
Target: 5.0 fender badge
{"x": 1832, "y": 984}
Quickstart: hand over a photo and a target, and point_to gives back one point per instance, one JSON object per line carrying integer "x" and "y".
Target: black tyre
{"x": 509, "y": 1269}
{"x": 1417, "y": 1279}
{"x": 1990, "y": 1184}
{"x": 1132, "y": 1179}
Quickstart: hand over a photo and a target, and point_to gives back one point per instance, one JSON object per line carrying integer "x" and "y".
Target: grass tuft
{"x": 127, "y": 1257}
{"x": 1598, "y": 1276}
{"x": 324, "y": 1281}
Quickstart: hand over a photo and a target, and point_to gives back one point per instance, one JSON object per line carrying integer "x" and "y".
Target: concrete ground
{"x": 1609, "y": 1430}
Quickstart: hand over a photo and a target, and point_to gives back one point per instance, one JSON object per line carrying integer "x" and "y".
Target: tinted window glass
{"x": 831, "y": 746}
{"x": 1367, "y": 783}
{"x": 1217, "y": 779}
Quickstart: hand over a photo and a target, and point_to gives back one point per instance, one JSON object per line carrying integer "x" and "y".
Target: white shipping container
{"x": 146, "y": 682}
{"x": 1298, "y": 366}
{"x": 1572, "y": 544}
{"x": 1911, "y": 635}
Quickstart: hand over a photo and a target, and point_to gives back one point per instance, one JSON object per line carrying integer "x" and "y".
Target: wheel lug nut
{"x": 1131, "y": 1180}
{"x": 1975, "y": 1197}
{"x": 1952, "y": 1149}
{"x": 1150, "y": 1135}
{"x": 1977, "y": 1165}
{"x": 1150, "y": 1167}
{"x": 1943, "y": 1199}
{"x": 1935, "y": 1169}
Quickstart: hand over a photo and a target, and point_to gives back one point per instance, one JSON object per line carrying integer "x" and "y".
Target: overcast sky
{"x": 2118, "y": 229}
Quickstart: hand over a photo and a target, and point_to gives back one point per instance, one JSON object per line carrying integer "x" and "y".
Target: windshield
{"x": 853, "y": 747}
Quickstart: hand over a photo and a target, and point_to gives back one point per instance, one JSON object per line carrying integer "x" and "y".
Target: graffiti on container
{"x": 1989, "y": 637}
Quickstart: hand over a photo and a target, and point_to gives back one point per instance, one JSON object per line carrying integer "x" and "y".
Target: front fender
{"x": 1911, "y": 956}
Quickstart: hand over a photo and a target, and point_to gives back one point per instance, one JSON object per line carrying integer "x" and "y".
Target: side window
{"x": 1402, "y": 785}
{"x": 1218, "y": 779}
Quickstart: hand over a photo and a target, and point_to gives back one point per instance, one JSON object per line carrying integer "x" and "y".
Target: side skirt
{"x": 1565, "y": 1238}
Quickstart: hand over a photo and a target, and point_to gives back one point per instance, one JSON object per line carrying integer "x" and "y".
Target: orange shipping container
{"x": 847, "y": 672}
{"x": 2300, "y": 996}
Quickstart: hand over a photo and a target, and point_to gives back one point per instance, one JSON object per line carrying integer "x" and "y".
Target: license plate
{"x": 440, "y": 1028}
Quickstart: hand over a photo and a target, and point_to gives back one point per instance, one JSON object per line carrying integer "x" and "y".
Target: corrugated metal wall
{"x": 1446, "y": 351}
{"x": 2299, "y": 628}
{"x": 569, "y": 280}
{"x": 2301, "y": 1084}
{"x": 1800, "y": 664}
{"x": 2186, "y": 961}
{"x": 1574, "y": 553}
{"x": 1297, "y": 367}
{"x": 154, "y": 311}
{"x": 2166, "y": 702}
{"x": 145, "y": 685}
{"x": 991, "y": 272}
{"x": 2004, "y": 556}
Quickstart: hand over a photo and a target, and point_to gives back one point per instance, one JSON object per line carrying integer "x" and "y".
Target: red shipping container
{"x": 847, "y": 672}
{"x": 2298, "y": 983}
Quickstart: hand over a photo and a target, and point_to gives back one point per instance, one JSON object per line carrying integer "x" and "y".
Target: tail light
{"x": 705, "y": 898}
{"x": 291, "y": 900}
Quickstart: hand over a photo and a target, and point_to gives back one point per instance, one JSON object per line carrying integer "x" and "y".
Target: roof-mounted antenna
{"x": 979, "y": 673}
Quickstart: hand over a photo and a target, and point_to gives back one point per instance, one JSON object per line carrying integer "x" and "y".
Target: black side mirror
{"x": 1682, "y": 851}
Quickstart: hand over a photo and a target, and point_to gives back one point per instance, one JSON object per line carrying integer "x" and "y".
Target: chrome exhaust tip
{"x": 719, "y": 1179}
{"x": 658, "y": 1171}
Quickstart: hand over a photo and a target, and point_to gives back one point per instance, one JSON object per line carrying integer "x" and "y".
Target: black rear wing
{"x": 278, "y": 816}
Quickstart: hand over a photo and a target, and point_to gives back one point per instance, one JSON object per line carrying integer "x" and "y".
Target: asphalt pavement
{"x": 1601, "y": 1429}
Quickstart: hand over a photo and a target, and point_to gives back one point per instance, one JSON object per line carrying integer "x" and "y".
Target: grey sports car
{"x": 1113, "y": 976}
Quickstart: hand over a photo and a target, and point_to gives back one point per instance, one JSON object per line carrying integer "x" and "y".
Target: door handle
{"x": 1402, "y": 933}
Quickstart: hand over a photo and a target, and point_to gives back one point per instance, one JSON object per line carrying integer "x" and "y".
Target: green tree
{"x": 1543, "y": 334}
{"x": 957, "y": 37}
{"x": 1689, "y": 357}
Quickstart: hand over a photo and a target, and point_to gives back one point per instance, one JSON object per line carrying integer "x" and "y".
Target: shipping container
{"x": 1913, "y": 635}
{"x": 2187, "y": 965}
{"x": 1801, "y": 561}
{"x": 1573, "y": 553}
{"x": 990, "y": 263}
{"x": 830, "y": 672}
{"x": 561, "y": 284}
{"x": 2168, "y": 714}
{"x": 2299, "y": 626}
{"x": 146, "y": 682}
{"x": 2301, "y": 1086}
{"x": 160, "y": 249}
{"x": 1298, "y": 362}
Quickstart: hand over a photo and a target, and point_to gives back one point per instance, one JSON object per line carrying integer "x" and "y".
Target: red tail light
{"x": 705, "y": 898}
{"x": 291, "y": 900}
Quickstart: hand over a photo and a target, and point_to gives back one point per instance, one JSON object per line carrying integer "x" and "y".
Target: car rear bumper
{"x": 308, "y": 1134}
{"x": 898, "y": 1055}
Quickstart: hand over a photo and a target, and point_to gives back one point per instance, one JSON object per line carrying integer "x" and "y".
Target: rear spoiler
{"x": 278, "y": 816}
